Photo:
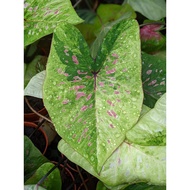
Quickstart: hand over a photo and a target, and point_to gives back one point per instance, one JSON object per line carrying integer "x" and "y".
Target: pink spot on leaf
{"x": 149, "y": 72}
{"x": 110, "y": 71}
{"x": 101, "y": 84}
{"x": 112, "y": 126}
{"x": 79, "y": 95}
{"x": 81, "y": 73}
{"x": 90, "y": 105}
{"x": 116, "y": 92}
{"x": 88, "y": 97}
{"x": 115, "y": 61}
{"x": 110, "y": 103}
{"x": 118, "y": 100}
{"x": 111, "y": 84}
{"x": 89, "y": 144}
{"x": 88, "y": 77}
{"x": 115, "y": 55}
{"x": 112, "y": 113}
{"x": 84, "y": 108}
{"x": 152, "y": 82}
{"x": 65, "y": 101}
{"x": 56, "y": 12}
{"x": 108, "y": 141}
{"x": 75, "y": 60}
{"x": 162, "y": 83}
{"x": 124, "y": 70}
{"x": 66, "y": 50}
{"x": 79, "y": 87}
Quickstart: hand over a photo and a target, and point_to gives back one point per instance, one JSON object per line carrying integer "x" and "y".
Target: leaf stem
{"x": 33, "y": 110}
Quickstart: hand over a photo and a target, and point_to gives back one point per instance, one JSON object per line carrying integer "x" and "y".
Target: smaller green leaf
{"x": 101, "y": 186}
{"x": 35, "y": 86}
{"x": 152, "y": 9}
{"x": 151, "y": 128}
{"x": 33, "y": 187}
{"x": 87, "y": 15}
{"x": 151, "y": 39}
{"x": 153, "y": 78}
{"x": 53, "y": 180}
{"x": 33, "y": 158}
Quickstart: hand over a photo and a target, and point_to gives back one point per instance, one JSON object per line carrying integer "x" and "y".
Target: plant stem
{"x": 39, "y": 125}
{"x": 27, "y": 102}
{"x": 86, "y": 188}
{"x": 79, "y": 1}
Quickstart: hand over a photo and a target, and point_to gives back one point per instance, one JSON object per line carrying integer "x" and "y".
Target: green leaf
{"x": 107, "y": 16}
{"x": 33, "y": 158}
{"x": 35, "y": 86}
{"x": 53, "y": 180}
{"x": 152, "y": 9}
{"x": 42, "y": 17}
{"x": 93, "y": 103}
{"x": 33, "y": 187}
{"x": 151, "y": 128}
{"x": 153, "y": 77}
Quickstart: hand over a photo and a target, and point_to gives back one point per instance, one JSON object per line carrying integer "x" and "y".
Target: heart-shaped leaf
{"x": 33, "y": 158}
{"x": 130, "y": 162}
{"x": 53, "y": 180}
{"x": 153, "y": 77}
{"x": 42, "y": 17}
{"x": 93, "y": 103}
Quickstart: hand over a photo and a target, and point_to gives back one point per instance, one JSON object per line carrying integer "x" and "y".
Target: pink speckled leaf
{"x": 42, "y": 17}
{"x": 93, "y": 103}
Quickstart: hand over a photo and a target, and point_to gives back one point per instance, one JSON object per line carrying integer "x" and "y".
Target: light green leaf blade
{"x": 89, "y": 107}
{"x": 33, "y": 158}
{"x": 152, "y": 9}
{"x": 53, "y": 180}
{"x": 151, "y": 128}
{"x": 35, "y": 85}
{"x": 42, "y": 17}
{"x": 128, "y": 164}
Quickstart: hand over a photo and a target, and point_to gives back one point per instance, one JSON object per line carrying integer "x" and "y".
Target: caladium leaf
{"x": 151, "y": 39}
{"x": 153, "y": 77}
{"x": 93, "y": 103}
{"x": 130, "y": 162}
{"x": 52, "y": 181}
{"x": 42, "y": 17}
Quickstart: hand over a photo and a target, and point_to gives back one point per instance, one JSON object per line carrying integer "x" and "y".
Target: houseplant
{"x": 66, "y": 50}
